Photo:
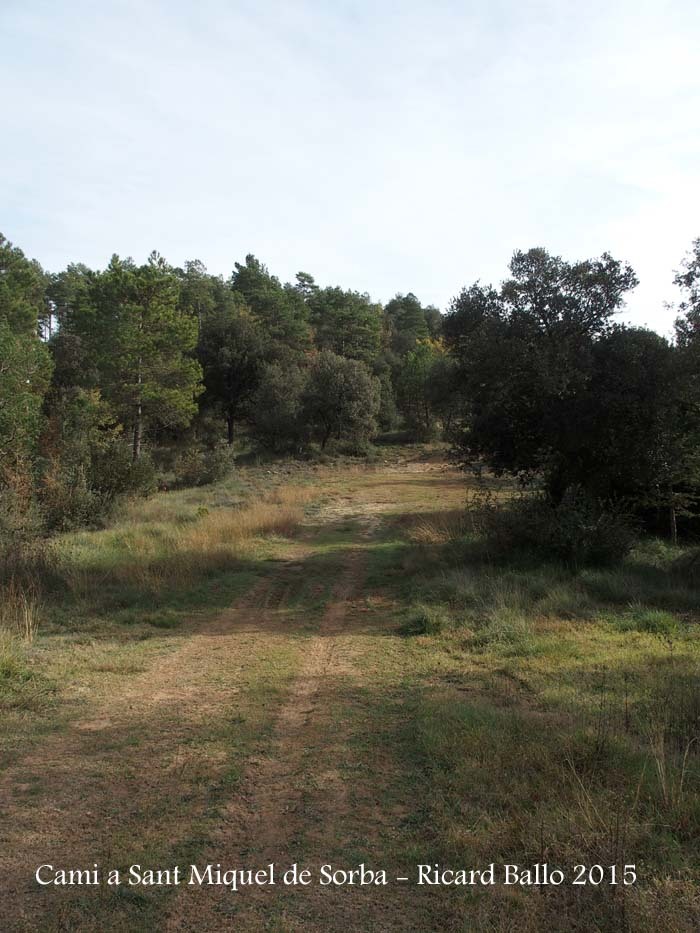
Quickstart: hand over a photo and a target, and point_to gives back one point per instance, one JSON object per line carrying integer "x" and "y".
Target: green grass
{"x": 562, "y": 724}
{"x": 509, "y": 711}
{"x": 114, "y": 599}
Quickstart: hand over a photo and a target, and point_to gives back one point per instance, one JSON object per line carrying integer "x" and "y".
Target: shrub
{"x": 651, "y": 621}
{"x": 425, "y": 620}
{"x": 67, "y": 499}
{"x": 20, "y": 608}
{"x": 196, "y": 467}
{"x": 578, "y": 531}
{"x": 20, "y": 535}
{"x": 77, "y": 494}
{"x": 20, "y": 521}
{"x": 139, "y": 478}
{"x": 86, "y": 462}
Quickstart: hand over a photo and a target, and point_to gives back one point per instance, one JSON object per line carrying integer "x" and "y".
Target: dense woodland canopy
{"x": 116, "y": 380}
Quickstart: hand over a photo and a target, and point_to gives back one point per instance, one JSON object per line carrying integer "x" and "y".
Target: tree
{"x": 141, "y": 344}
{"x": 641, "y": 444}
{"x": 346, "y": 322}
{"x": 407, "y": 322}
{"x": 687, "y": 408}
{"x": 433, "y": 318}
{"x": 84, "y": 463}
{"x": 306, "y": 285}
{"x": 443, "y": 390}
{"x": 25, "y": 364}
{"x": 688, "y": 321}
{"x": 341, "y": 399}
{"x": 280, "y": 309}
{"x": 277, "y": 410}
{"x": 525, "y": 357}
{"x": 231, "y": 351}
{"x": 388, "y": 415}
{"x": 413, "y": 388}
{"x": 197, "y": 290}
{"x": 688, "y": 280}
{"x": 563, "y": 299}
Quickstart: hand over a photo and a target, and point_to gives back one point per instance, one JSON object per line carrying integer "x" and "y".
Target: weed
{"x": 425, "y": 620}
{"x": 21, "y": 608}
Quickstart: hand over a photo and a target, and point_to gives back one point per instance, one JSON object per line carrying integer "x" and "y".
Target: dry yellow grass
{"x": 170, "y": 553}
{"x": 20, "y": 608}
{"x": 439, "y": 529}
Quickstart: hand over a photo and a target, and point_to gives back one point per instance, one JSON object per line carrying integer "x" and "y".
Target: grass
{"x": 481, "y": 710}
{"x": 94, "y": 607}
{"x": 561, "y": 725}
{"x": 153, "y": 552}
{"x": 20, "y": 608}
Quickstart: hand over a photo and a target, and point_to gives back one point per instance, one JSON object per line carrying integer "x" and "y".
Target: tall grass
{"x": 20, "y": 608}
{"x": 20, "y": 616}
{"x": 152, "y": 555}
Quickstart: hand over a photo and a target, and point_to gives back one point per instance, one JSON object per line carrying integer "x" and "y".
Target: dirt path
{"x": 291, "y": 700}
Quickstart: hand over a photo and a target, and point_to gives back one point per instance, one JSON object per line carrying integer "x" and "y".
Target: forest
{"x": 119, "y": 381}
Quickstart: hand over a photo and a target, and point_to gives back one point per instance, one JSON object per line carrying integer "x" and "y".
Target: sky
{"x": 379, "y": 145}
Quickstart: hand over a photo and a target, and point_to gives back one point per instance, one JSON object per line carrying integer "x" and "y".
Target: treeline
{"x": 110, "y": 379}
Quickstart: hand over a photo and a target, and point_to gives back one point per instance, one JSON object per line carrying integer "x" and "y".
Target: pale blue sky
{"x": 384, "y": 146}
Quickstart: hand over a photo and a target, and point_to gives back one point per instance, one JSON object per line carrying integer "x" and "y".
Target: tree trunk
{"x": 138, "y": 430}
{"x": 673, "y": 527}
{"x": 138, "y": 421}
{"x": 229, "y": 427}
{"x": 557, "y": 485}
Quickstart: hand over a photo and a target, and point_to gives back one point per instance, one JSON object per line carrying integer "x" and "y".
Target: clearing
{"x": 344, "y": 689}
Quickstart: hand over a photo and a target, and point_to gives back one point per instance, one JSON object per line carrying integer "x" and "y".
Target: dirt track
{"x": 310, "y": 789}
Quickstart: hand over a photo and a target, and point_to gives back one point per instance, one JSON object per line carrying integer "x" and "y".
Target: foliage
{"x": 578, "y": 531}
{"x": 280, "y": 309}
{"x": 388, "y": 414}
{"x": 277, "y": 409}
{"x": 686, "y": 394}
{"x": 341, "y": 399}
{"x": 128, "y": 322}
{"x": 346, "y": 322}
{"x": 553, "y": 388}
{"x": 86, "y": 463}
{"x": 20, "y": 526}
{"x": 231, "y": 351}
{"x": 415, "y": 388}
{"x": 408, "y": 323}
{"x": 200, "y": 467}
{"x": 25, "y": 365}
{"x": 532, "y": 379}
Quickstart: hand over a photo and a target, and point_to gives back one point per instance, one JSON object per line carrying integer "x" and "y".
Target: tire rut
{"x": 271, "y": 812}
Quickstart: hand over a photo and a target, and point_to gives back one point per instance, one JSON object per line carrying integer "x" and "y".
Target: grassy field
{"x": 329, "y": 666}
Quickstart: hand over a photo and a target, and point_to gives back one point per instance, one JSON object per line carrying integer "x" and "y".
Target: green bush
{"x": 80, "y": 493}
{"x": 196, "y": 467}
{"x": 69, "y": 501}
{"x": 140, "y": 478}
{"x": 650, "y": 621}
{"x": 20, "y": 529}
{"x": 577, "y": 531}
{"x": 86, "y": 462}
{"x": 425, "y": 620}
